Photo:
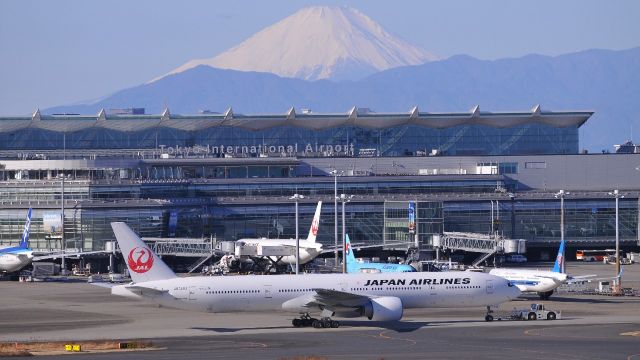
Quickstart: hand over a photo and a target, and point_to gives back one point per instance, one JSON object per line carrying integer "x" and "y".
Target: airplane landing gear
{"x": 307, "y": 321}
{"x": 489, "y": 316}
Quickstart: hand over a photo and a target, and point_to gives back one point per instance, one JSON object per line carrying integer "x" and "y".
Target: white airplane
{"x": 378, "y": 297}
{"x": 544, "y": 283}
{"x": 309, "y": 248}
{"x": 16, "y": 257}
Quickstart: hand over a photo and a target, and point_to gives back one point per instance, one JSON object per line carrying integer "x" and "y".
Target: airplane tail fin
{"x": 24, "y": 241}
{"x": 559, "y": 264}
{"x": 313, "y": 231}
{"x": 348, "y": 252}
{"x": 142, "y": 263}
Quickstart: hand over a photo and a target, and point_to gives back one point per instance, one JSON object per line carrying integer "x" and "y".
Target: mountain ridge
{"x": 606, "y": 81}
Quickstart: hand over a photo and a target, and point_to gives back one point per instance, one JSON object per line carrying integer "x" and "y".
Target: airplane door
{"x": 192, "y": 293}
{"x": 344, "y": 287}
{"x": 489, "y": 286}
{"x": 267, "y": 292}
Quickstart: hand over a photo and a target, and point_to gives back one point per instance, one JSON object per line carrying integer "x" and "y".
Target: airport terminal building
{"x": 231, "y": 176}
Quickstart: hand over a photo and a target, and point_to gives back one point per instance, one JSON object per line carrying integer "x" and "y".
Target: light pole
{"x": 335, "y": 173}
{"x": 63, "y": 244}
{"x": 561, "y": 194}
{"x": 617, "y": 195}
{"x": 345, "y": 199}
{"x": 296, "y": 198}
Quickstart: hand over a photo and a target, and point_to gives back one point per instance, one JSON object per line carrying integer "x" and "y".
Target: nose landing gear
{"x": 489, "y": 316}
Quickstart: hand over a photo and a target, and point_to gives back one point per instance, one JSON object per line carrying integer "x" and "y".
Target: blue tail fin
{"x": 350, "y": 258}
{"x": 24, "y": 242}
{"x": 559, "y": 265}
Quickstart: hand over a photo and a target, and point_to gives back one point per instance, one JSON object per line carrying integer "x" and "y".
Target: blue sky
{"x": 61, "y": 52}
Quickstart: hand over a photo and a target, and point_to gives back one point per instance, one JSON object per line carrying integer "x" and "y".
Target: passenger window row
{"x": 233, "y": 292}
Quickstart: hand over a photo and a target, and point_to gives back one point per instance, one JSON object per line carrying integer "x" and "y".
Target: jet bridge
{"x": 488, "y": 245}
{"x": 202, "y": 249}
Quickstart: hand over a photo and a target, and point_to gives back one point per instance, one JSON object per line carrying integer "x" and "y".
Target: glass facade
{"x": 588, "y": 221}
{"x": 296, "y": 141}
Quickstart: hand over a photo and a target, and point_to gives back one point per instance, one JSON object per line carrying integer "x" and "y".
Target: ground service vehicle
{"x": 537, "y": 312}
{"x": 534, "y": 312}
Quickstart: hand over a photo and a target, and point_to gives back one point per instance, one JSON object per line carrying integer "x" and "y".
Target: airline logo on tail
{"x": 313, "y": 230}
{"x": 559, "y": 265}
{"x": 348, "y": 247}
{"x": 143, "y": 262}
{"x": 24, "y": 242}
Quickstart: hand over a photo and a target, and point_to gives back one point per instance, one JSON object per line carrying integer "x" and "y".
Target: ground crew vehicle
{"x": 534, "y": 312}
{"x": 537, "y": 312}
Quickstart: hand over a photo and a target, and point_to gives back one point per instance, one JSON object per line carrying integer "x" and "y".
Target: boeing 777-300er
{"x": 309, "y": 248}
{"x": 378, "y": 297}
{"x": 544, "y": 283}
{"x": 16, "y": 257}
{"x": 353, "y": 266}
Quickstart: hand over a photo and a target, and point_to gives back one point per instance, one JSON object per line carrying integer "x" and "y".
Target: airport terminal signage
{"x": 308, "y": 149}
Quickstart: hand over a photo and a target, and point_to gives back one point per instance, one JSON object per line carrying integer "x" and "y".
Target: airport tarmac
{"x": 593, "y": 327}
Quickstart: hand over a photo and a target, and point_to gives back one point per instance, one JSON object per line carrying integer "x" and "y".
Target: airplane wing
{"x": 23, "y": 257}
{"x": 68, "y": 254}
{"x": 590, "y": 278}
{"x": 360, "y": 246}
{"x": 334, "y": 298}
{"x": 145, "y": 291}
{"x": 581, "y": 278}
{"x": 107, "y": 285}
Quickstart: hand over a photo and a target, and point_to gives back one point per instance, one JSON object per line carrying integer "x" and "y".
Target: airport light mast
{"x": 561, "y": 194}
{"x": 618, "y": 282}
{"x": 296, "y": 198}
{"x": 345, "y": 199}
{"x": 335, "y": 174}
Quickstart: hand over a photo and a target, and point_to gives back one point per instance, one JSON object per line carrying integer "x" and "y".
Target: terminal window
{"x": 508, "y": 168}
{"x": 535, "y": 165}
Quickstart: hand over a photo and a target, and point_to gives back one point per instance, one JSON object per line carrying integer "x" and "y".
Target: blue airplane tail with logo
{"x": 350, "y": 258}
{"x": 24, "y": 241}
{"x": 559, "y": 264}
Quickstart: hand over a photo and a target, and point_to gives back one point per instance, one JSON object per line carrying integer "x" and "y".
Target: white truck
{"x": 536, "y": 312}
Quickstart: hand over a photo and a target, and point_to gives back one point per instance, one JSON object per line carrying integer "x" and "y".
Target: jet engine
{"x": 386, "y": 308}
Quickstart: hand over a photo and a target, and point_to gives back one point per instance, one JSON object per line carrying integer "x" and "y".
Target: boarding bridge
{"x": 473, "y": 242}
{"x": 202, "y": 249}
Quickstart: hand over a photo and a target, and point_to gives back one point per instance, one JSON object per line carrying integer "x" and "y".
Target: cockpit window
{"x": 510, "y": 284}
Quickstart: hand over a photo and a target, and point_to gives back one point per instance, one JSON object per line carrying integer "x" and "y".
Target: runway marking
{"x": 532, "y": 332}
{"x": 382, "y": 335}
{"x": 631, "y": 333}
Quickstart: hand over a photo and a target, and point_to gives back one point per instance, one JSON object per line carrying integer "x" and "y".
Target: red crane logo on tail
{"x": 142, "y": 262}
{"x": 314, "y": 226}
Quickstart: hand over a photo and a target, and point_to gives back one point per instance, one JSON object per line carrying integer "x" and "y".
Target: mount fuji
{"x": 319, "y": 42}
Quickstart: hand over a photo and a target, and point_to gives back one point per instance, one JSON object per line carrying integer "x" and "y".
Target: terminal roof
{"x": 307, "y": 120}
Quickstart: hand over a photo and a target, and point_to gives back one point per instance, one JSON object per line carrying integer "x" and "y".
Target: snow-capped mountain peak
{"x": 319, "y": 42}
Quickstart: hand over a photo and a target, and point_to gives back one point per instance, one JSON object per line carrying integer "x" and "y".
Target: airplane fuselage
{"x": 264, "y": 293}
{"x": 379, "y": 267}
{"x": 308, "y": 250}
{"x": 15, "y": 260}
{"x": 532, "y": 280}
